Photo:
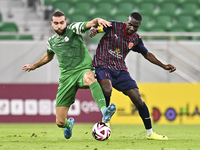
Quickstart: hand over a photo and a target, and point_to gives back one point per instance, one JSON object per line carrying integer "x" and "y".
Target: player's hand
{"x": 28, "y": 68}
{"x": 93, "y": 31}
{"x": 170, "y": 67}
{"x": 103, "y": 23}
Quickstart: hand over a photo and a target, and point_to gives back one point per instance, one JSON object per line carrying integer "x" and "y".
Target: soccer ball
{"x": 101, "y": 131}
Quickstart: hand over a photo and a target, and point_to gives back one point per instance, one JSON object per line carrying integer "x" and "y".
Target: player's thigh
{"x": 66, "y": 92}
{"x": 124, "y": 82}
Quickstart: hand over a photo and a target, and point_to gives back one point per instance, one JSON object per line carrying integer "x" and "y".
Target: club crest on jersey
{"x": 117, "y": 50}
{"x": 130, "y": 45}
{"x": 66, "y": 39}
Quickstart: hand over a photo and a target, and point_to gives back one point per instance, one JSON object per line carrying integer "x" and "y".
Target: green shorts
{"x": 68, "y": 87}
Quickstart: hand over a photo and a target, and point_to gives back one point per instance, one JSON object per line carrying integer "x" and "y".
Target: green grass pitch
{"x": 123, "y": 137}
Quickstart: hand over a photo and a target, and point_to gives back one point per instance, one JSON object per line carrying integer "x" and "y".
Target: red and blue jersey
{"x": 115, "y": 45}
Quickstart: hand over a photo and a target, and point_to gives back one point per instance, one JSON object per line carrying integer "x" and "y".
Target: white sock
{"x": 149, "y": 132}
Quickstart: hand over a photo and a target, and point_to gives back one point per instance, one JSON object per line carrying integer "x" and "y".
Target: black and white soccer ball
{"x": 101, "y": 131}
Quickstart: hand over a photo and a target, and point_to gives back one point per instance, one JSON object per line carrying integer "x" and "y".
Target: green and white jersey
{"x": 70, "y": 49}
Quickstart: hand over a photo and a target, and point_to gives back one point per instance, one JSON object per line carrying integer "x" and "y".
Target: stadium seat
{"x": 125, "y": 9}
{"x": 195, "y": 27}
{"x": 103, "y": 10}
{"x": 146, "y": 23}
{"x": 138, "y": 2}
{"x": 71, "y": 2}
{"x": 146, "y": 9}
{"x": 25, "y": 37}
{"x": 49, "y": 2}
{"x": 184, "y": 22}
{"x": 179, "y": 28}
{"x": 157, "y": 28}
{"x": 16, "y": 37}
{"x": 177, "y": 2}
{"x": 101, "y": 14}
{"x": 7, "y": 37}
{"x": 113, "y": 2}
{"x": 125, "y": 6}
{"x": 155, "y": 2}
{"x": 160, "y": 24}
{"x": 106, "y": 7}
{"x": 141, "y": 29}
{"x": 63, "y": 6}
{"x": 82, "y": 8}
{"x": 78, "y": 18}
{"x": 170, "y": 9}
{"x": 163, "y": 21}
{"x": 122, "y": 12}
{"x": 120, "y": 18}
{"x": 190, "y": 8}
{"x": 8, "y": 27}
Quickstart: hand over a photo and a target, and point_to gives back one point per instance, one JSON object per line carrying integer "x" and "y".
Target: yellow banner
{"x": 168, "y": 103}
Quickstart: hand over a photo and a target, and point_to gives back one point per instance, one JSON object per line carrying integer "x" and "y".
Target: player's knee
{"x": 139, "y": 103}
{"x": 89, "y": 78}
{"x": 107, "y": 90}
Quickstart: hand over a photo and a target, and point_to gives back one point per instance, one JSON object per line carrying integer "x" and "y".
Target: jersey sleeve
{"x": 140, "y": 48}
{"x": 49, "y": 50}
{"x": 78, "y": 27}
{"x": 108, "y": 29}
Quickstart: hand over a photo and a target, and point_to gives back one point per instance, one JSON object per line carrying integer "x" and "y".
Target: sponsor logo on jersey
{"x": 130, "y": 45}
{"x": 66, "y": 39}
{"x": 117, "y": 50}
{"x": 115, "y": 54}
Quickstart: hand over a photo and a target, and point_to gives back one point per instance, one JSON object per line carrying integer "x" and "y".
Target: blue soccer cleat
{"x": 68, "y": 132}
{"x": 108, "y": 112}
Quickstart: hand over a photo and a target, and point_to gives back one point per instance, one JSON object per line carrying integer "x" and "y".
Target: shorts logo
{"x": 107, "y": 75}
{"x": 130, "y": 45}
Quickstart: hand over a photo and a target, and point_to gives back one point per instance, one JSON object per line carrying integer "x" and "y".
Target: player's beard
{"x": 61, "y": 32}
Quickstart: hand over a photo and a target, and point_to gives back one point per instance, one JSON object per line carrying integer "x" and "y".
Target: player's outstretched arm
{"x": 149, "y": 56}
{"x": 98, "y": 22}
{"x": 45, "y": 59}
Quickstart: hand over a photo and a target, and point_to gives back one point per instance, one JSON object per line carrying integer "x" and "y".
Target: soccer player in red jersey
{"x": 110, "y": 67}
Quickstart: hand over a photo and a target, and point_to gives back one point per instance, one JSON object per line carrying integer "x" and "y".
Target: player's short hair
{"x": 58, "y": 13}
{"x": 136, "y": 16}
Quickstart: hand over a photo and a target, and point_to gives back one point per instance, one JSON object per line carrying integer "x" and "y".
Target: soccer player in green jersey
{"x": 75, "y": 65}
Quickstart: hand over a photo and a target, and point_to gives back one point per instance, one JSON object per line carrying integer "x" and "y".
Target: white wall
{"x": 15, "y": 54}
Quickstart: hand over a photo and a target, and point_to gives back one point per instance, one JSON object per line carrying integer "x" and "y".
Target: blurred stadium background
{"x": 170, "y": 29}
